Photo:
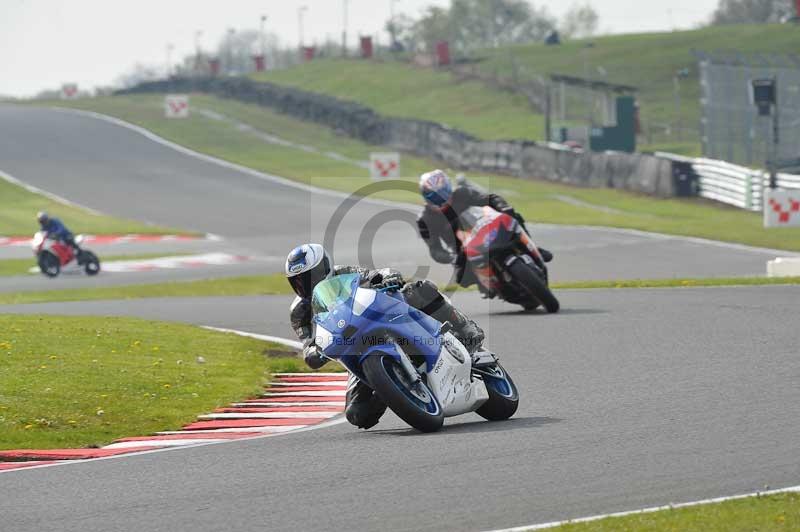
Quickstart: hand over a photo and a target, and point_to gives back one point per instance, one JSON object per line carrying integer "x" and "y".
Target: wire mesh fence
{"x": 732, "y": 129}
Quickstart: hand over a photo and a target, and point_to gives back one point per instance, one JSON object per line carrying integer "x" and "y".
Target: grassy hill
{"x": 401, "y": 90}
{"x": 647, "y": 61}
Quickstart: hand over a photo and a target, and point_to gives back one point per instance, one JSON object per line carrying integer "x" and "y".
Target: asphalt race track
{"x": 630, "y": 398}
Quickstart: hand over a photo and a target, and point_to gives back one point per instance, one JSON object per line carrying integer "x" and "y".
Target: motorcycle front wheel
{"x": 536, "y": 287}
{"x": 412, "y": 401}
{"x": 49, "y": 264}
{"x": 503, "y": 394}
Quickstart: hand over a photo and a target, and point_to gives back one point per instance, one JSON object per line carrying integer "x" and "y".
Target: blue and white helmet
{"x": 436, "y": 188}
{"x": 307, "y": 266}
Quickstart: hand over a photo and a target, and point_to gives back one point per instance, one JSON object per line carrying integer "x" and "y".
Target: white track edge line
{"x": 294, "y": 344}
{"x": 553, "y": 524}
{"x": 284, "y": 341}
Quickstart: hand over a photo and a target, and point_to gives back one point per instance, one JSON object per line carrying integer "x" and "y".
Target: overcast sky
{"x": 48, "y": 42}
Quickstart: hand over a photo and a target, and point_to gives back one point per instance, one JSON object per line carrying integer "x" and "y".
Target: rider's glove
{"x": 443, "y": 256}
{"x": 393, "y": 279}
{"x": 312, "y": 355}
{"x": 385, "y": 278}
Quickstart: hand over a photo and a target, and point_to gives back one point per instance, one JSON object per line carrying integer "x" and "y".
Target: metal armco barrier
{"x": 737, "y": 185}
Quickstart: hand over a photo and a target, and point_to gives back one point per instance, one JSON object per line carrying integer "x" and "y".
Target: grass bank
{"x": 767, "y": 513}
{"x": 646, "y": 61}
{"x": 404, "y": 91}
{"x": 77, "y": 382}
{"x": 540, "y": 201}
{"x": 275, "y": 284}
{"x": 18, "y": 208}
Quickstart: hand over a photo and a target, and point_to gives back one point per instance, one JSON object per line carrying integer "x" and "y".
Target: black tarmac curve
{"x": 629, "y": 398}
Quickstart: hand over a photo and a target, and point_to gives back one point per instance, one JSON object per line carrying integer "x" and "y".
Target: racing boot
{"x": 466, "y": 330}
{"x": 547, "y": 256}
{"x": 70, "y": 240}
{"x": 362, "y": 407}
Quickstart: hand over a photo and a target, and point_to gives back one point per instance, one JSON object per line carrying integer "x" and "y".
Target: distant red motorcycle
{"x": 505, "y": 259}
{"x": 53, "y": 255}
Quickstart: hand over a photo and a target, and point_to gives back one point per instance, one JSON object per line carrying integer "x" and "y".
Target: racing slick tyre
{"x": 414, "y": 403}
{"x": 90, "y": 263}
{"x": 503, "y": 394}
{"x": 49, "y": 264}
{"x": 535, "y": 286}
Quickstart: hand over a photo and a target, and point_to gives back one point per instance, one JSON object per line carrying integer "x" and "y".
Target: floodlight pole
{"x": 344, "y": 27}
{"x": 263, "y": 36}
{"x": 776, "y": 140}
{"x": 170, "y": 47}
{"x": 300, "y": 16}
{"x": 589, "y": 95}
{"x": 548, "y": 111}
{"x": 677, "y": 81}
{"x": 198, "y": 53}
{"x": 229, "y": 66}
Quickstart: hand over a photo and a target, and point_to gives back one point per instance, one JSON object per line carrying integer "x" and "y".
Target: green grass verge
{"x": 766, "y": 513}
{"x": 539, "y": 201}
{"x": 275, "y": 284}
{"x": 76, "y": 382}
{"x": 9, "y": 267}
{"x": 679, "y": 283}
{"x": 18, "y": 208}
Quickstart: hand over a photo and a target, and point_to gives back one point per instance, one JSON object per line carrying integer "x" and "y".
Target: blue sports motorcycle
{"x": 413, "y": 363}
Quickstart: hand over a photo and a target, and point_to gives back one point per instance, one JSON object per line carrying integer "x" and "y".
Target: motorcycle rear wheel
{"x": 49, "y": 264}
{"x": 534, "y": 286}
{"x": 90, "y": 263}
{"x": 416, "y": 406}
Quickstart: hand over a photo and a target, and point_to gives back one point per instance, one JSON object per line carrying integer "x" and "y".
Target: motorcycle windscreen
{"x": 468, "y": 219}
{"x": 333, "y": 292}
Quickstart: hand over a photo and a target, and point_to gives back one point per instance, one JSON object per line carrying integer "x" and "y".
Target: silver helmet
{"x": 307, "y": 266}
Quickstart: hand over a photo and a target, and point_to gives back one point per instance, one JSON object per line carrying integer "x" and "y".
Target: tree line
{"x": 475, "y": 24}
{"x": 753, "y": 11}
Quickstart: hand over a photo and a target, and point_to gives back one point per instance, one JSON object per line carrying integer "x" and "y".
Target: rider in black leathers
{"x": 438, "y": 221}
{"x": 363, "y": 408}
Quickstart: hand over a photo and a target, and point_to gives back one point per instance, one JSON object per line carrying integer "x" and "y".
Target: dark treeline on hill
{"x": 753, "y": 11}
{"x": 473, "y": 24}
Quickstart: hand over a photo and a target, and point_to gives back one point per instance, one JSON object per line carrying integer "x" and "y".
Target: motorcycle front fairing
{"x": 365, "y": 321}
{"x": 43, "y": 242}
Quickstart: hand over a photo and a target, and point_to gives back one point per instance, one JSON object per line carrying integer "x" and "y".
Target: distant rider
{"x": 57, "y": 230}
{"x": 438, "y": 222}
{"x": 310, "y": 264}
